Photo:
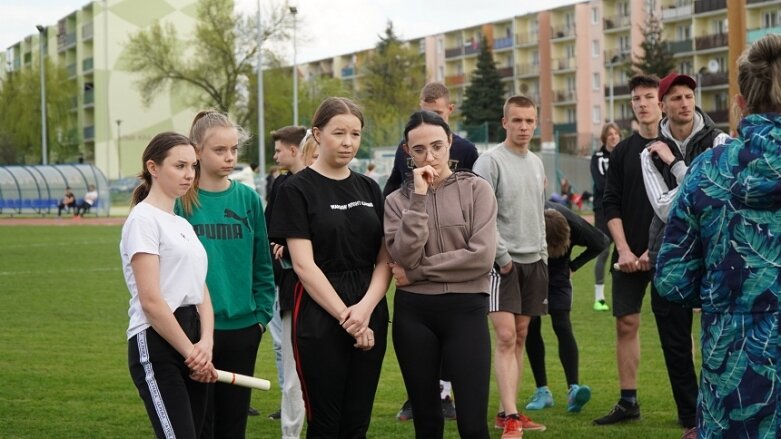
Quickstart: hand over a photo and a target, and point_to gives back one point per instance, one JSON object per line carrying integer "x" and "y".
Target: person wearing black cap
{"x": 685, "y": 132}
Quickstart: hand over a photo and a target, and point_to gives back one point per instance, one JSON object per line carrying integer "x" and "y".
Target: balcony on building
{"x": 680, "y": 46}
{"x": 503, "y": 43}
{"x": 87, "y": 65}
{"x": 66, "y": 41}
{"x": 527, "y": 38}
{"x": 87, "y": 31}
{"x": 564, "y": 96}
{"x": 505, "y": 72}
{"x": 719, "y": 116}
{"x": 472, "y": 48}
{"x": 454, "y": 52}
{"x": 564, "y": 31}
{"x": 89, "y": 133}
{"x": 528, "y": 69}
{"x": 616, "y": 22}
{"x": 757, "y": 2}
{"x": 712, "y": 41}
{"x": 755, "y": 34}
{"x": 621, "y": 54}
{"x": 454, "y": 79}
{"x": 681, "y": 10}
{"x": 703, "y": 6}
{"x": 565, "y": 128}
{"x": 348, "y": 72}
{"x": 621, "y": 89}
{"x": 564, "y": 64}
{"x": 713, "y": 79}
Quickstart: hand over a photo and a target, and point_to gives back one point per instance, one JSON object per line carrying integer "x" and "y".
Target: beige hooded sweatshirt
{"x": 446, "y": 239}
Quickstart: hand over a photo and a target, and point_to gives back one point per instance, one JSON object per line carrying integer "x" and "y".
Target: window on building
{"x": 535, "y": 27}
{"x": 595, "y": 48}
{"x": 596, "y": 114}
{"x": 596, "y": 81}
{"x": 685, "y": 67}
{"x": 571, "y": 83}
{"x": 722, "y": 63}
{"x": 722, "y": 101}
{"x": 569, "y": 50}
{"x": 720, "y": 26}
{"x": 594, "y": 16}
{"x": 440, "y": 46}
{"x": 535, "y": 58}
{"x": 622, "y": 9}
{"x": 771, "y": 19}
{"x": 624, "y": 44}
{"x": 571, "y": 115}
{"x": 683, "y": 32}
{"x": 441, "y": 73}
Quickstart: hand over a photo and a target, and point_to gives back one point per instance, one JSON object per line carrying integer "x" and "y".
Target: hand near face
{"x": 423, "y": 177}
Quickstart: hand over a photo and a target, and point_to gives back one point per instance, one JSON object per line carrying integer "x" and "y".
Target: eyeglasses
{"x": 436, "y": 151}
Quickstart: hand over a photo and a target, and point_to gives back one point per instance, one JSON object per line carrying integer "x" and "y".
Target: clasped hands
{"x": 355, "y": 320}
{"x": 200, "y": 363}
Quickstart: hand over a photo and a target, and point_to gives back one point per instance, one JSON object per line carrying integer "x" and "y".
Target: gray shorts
{"x": 524, "y": 290}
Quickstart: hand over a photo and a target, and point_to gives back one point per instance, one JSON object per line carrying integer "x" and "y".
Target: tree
{"x": 20, "y": 116}
{"x": 484, "y": 97}
{"x": 657, "y": 59}
{"x": 391, "y": 81}
{"x": 217, "y": 63}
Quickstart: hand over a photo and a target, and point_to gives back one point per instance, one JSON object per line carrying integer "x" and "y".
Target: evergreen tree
{"x": 657, "y": 59}
{"x": 391, "y": 79}
{"x": 485, "y": 95}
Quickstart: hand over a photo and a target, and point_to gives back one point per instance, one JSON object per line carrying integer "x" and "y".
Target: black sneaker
{"x": 448, "y": 408}
{"x": 405, "y": 414}
{"x": 253, "y": 411}
{"x": 623, "y": 411}
{"x": 276, "y": 415}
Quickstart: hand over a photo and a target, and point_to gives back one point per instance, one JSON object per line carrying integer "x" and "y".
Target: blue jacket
{"x": 722, "y": 251}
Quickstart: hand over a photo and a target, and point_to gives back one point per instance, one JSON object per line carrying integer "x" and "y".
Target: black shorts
{"x": 629, "y": 291}
{"x": 523, "y": 291}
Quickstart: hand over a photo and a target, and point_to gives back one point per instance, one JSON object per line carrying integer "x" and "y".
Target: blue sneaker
{"x": 541, "y": 399}
{"x": 578, "y": 397}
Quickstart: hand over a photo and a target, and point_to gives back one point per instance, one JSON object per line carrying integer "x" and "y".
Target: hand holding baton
{"x": 242, "y": 380}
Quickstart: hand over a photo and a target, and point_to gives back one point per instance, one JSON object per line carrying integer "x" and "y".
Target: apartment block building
{"x": 573, "y": 59}
{"x": 114, "y": 126}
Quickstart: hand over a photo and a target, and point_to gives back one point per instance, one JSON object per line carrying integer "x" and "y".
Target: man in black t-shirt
{"x": 628, "y": 213}
{"x": 434, "y": 97}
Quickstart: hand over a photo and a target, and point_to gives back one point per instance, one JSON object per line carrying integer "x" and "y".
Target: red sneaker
{"x": 530, "y": 425}
{"x": 513, "y": 429}
{"x": 500, "y": 420}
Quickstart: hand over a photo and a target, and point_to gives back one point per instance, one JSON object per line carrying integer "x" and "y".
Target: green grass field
{"x": 63, "y": 367}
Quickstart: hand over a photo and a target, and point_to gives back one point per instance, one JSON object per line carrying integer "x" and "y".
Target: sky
{"x": 327, "y": 27}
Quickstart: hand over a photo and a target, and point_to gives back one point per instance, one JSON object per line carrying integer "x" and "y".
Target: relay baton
{"x": 242, "y": 380}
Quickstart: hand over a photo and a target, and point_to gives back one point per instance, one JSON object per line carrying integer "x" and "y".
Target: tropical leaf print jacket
{"x": 722, "y": 252}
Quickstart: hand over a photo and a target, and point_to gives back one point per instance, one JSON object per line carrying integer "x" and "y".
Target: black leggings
{"x": 568, "y": 347}
{"x": 447, "y": 331}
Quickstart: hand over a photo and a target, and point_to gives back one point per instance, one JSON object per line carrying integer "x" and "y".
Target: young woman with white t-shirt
{"x": 170, "y": 335}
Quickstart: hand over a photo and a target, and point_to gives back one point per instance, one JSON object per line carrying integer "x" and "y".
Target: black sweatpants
{"x": 175, "y": 404}
{"x": 227, "y": 410}
{"x": 568, "y": 347}
{"x": 338, "y": 380}
{"x": 448, "y": 331}
{"x": 674, "y": 324}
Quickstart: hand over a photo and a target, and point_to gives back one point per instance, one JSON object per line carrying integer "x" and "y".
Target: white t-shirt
{"x": 183, "y": 261}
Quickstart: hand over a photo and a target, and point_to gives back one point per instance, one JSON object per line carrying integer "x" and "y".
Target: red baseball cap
{"x": 675, "y": 79}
